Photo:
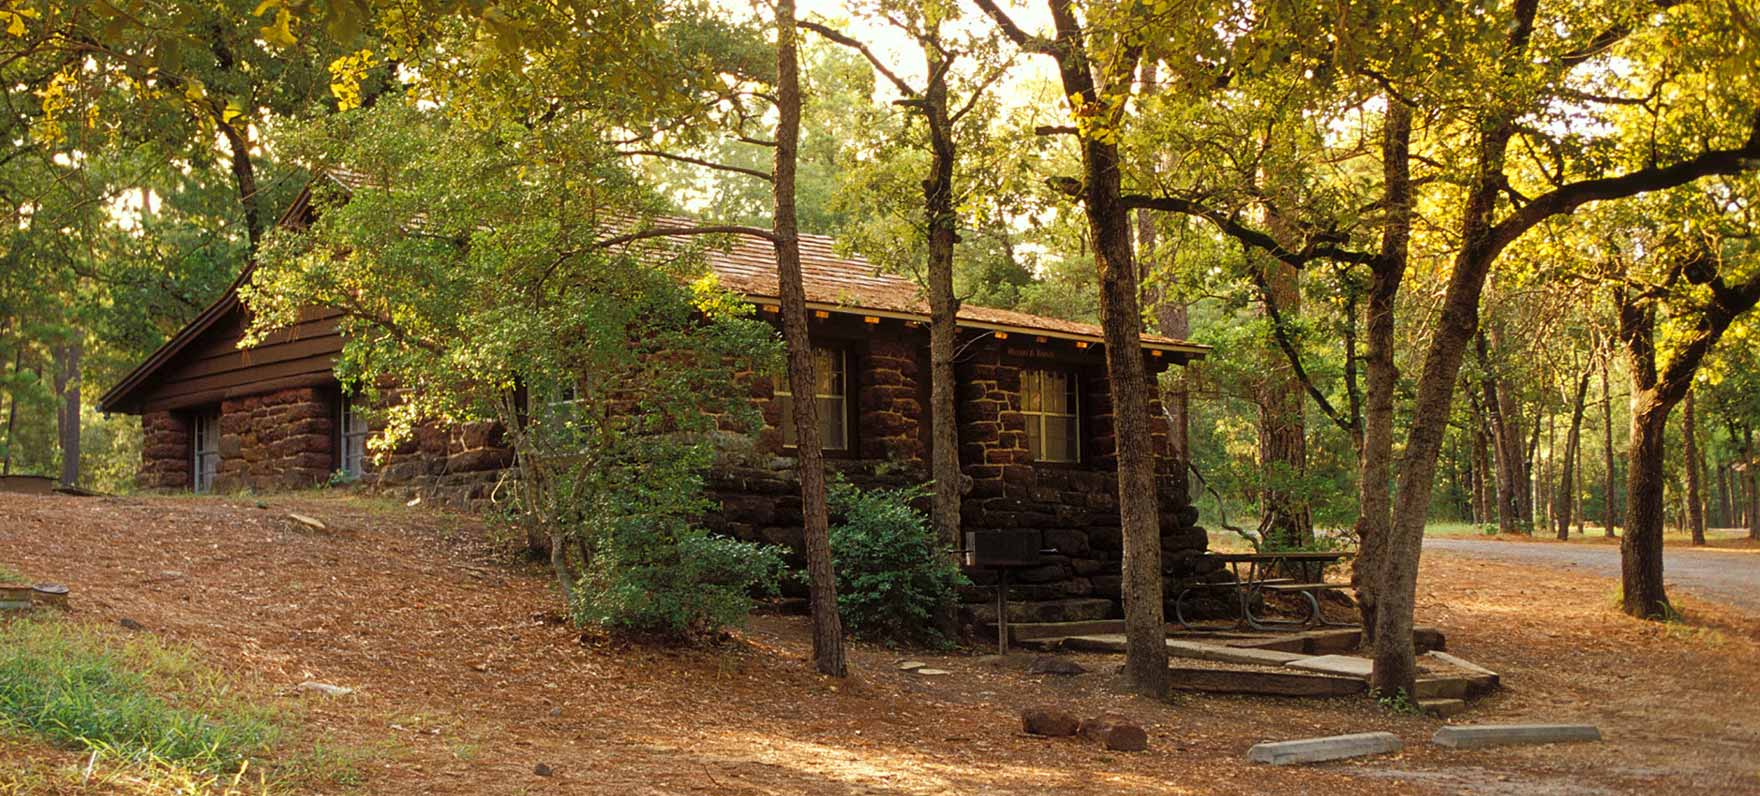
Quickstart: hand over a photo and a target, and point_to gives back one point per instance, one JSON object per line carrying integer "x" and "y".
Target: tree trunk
{"x": 1283, "y": 446}
{"x": 942, "y": 223}
{"x": 1690, "y": 449}
{"x": 1564, "y": 504}
{"x": 1726, "y": 506}
{"x": 1753, "y": 486}
{"x": 1121, "y": 322}
{"x": 1172, "y": 319}
{"x": 1609, "y": 515}
{"x": 1544, "y": 489}
{"x": 67, "y": 382}
{"x": 1641, "y": 585}
{"x": 1381, "y": 371}
{"x": 828, "y": 653}
{"x": 244, "y": 177}
{"x": 1506, "y": 442}
{"x": 12, "y": 413}
{"x": 1395, "y": 667}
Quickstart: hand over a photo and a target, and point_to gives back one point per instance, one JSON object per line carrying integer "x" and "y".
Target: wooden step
{"x": 1265, "y": 682}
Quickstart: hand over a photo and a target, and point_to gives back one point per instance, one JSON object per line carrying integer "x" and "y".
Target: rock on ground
{"x": 1049, "y": 721}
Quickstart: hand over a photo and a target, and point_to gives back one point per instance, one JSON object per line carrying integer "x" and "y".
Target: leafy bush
{"x": 668, "y": 578}
{"x": 893, "y": 576}
{"x": 137, "y": 700}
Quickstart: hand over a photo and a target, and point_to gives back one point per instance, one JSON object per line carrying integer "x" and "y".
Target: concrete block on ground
{"x": 1479, "y": 736}
{"x": 1320, "y": 750}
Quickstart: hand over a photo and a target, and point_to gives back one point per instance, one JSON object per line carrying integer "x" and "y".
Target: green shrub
{"x": 133, "y": 699}
{"x": 668, "y": 578}
{"x": 894, "y": 579}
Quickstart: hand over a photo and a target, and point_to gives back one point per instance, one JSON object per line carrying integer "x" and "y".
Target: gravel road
{"x": 1728, "y": 576}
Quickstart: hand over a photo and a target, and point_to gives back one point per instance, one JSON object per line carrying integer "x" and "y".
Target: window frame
{"x": 1041, "y": 416}
{"x": 204, "y": 446}
{"x": 780, "y": 390}
{"x": 347, "y": 406}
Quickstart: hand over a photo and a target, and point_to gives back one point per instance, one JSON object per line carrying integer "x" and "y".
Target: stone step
{"x": 1074, "y": 609}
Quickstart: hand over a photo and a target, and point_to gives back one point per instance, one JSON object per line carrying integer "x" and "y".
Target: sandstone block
{"x": 1049, "y": 721}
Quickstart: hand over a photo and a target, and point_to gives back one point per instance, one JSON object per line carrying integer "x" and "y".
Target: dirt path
{"x": 466, "y": 679}
{"x": 1730, "y": 576}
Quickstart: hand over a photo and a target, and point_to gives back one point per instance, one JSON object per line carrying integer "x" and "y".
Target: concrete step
{"x": 1074, "y": 609}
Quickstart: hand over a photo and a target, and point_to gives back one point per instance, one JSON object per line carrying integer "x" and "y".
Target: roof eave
{"x": 1191, "y": 350}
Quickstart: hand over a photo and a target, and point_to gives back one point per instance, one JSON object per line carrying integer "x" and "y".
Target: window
{"x": 556, "y": 420}
{"x": 352, "y": 436}
{"x": 205, "y": 461}
{"x": 1053, "y": 412}
{"x": 831, "y": 394}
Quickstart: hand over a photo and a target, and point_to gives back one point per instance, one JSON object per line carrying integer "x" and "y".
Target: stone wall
{"x": 287, "y": 439}
{"x": 279, "y": 440}
{"x": 165, "y": 451}
{"x": 460, "y": 467}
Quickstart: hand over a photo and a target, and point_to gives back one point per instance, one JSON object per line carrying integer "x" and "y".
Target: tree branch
{"x": 1021, "y": 38}
{"x": 1569, "y": 197}
{"x": 1281, "y": 332}
{"x": 879, "y": 66}
{"x": 1245, "y": 234}
{"x": 665, "y": 232}
{"x": 762, "y": 175}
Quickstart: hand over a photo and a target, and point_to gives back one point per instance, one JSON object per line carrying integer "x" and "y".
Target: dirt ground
{"x": 466, "y": 679}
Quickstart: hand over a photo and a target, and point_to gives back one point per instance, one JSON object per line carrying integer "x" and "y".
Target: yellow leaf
{"x": 16, "y": 25}
{"x": 265, "y": 6}
{"x": 233, "y": 110}
{"x": 280, "y": 33}
{"x": 195, "y": 91}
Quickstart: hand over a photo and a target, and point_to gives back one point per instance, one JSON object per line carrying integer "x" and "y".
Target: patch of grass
{"x": 1397, "y": 702}
{"x": 10, "y": 575}
{"x": 132, "y": 699}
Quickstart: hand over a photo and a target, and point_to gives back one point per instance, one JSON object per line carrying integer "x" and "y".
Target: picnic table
{"x": 1278, "y": 572}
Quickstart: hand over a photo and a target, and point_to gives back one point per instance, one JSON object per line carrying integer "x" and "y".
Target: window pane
{"x": 831, "y": 424}
{"x": 1056, "y": 442}
{"x": 1071, "y": 448}
{"x": 1030, "y": 390}
{"x": 827, "y": 372}
{"x": 1056, "y": 389}
{"x": 1035, "y": 447}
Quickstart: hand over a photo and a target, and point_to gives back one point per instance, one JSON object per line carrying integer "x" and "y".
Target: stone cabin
{"x": 1035, "y": 423}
